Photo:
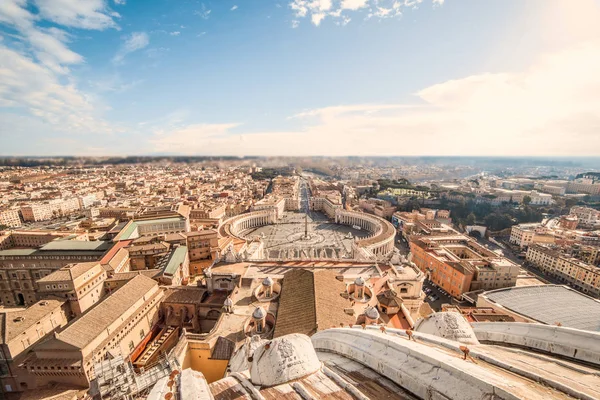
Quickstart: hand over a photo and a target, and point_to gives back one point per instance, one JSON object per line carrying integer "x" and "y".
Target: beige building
{"x": 81, "y": 284}
{"x": 524, "y": 235}
{"x": 19, "y": 331}
{"x": 116, "y": 326}
{"x": 583, "y": 186}
{"x": 201, "y": 243}
{"x": 10, "y": 218}
{"x": 577, "y": 274}
{"x": 21, "y": 268}
{"x": 587, "y": 217}
{"x": 39, "y": 212}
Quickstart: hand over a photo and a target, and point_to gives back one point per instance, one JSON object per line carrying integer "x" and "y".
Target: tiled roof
{"x": 91, "y": 324}
{"x": 185, "y": 295}
{"x": 223, "y": 349}
{"x": 69, "y": 272}
{"x": 125, "y": 276}
{"x": 11, "y": 324}
{"x": 311, "y": 301}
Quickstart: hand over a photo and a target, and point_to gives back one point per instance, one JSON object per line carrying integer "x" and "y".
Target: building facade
{"x": 572, "y": 271}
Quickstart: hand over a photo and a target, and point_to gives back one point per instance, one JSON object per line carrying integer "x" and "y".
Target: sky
{"x": 300, "y": 77}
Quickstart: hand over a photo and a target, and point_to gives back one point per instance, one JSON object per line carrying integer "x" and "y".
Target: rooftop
{"x": 14, "y": 323}
{"x": 550, "y": 304}
{"x": 90, "y": 325}
{"x": 311, "y": 301}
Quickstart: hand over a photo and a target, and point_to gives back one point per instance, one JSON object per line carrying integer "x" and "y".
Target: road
{"x": 436, "y": 305}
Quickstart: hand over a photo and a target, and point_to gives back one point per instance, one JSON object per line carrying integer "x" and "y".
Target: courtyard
{"x": 287, "y": 238}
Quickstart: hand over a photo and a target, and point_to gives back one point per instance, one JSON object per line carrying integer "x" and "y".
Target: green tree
{"x": 570, "y": 202}
{"x": 526, "y": 200}
{"x": 471, "y": 219}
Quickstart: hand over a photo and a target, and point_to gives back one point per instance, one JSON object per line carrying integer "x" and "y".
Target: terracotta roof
{"x": 185, "y": 295}
{"x": 111, "y": 253}
{"x": 69, "y": 272}
{"x": 223, "y": 349}
{"x": 125, "y": 276}
{"x": 91, "y": 324}
{"x": 14, "y": 323}
{"x": 311, "y": 301}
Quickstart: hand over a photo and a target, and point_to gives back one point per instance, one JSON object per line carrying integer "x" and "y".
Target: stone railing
{"x": 567, "y": 342}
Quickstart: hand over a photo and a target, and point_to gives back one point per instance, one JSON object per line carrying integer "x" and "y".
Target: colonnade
{"x": 381, "y": 239}
{"x": 235, "y": 225}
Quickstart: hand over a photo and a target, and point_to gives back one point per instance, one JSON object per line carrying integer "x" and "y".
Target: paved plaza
{"x": 325, "y": 239}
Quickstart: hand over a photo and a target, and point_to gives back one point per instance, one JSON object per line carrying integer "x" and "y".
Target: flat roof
{"x": 550, "y": 304}
{"x": 76, "y": 245}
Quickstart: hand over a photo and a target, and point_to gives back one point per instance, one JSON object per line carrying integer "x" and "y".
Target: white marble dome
{"x": 448, "y": 325}
{"x": 259, "y": 313}
{"x": 359, "y": 281}
{"x": 283, "y": 359}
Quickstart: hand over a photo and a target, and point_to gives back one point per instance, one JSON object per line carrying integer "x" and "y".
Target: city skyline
{"x": 295, "y": 78}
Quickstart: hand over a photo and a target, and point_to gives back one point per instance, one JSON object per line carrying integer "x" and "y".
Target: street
{"x": 430, "y": 289}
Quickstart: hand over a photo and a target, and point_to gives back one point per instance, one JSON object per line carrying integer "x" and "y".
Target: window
{"x": 131, "y": 346}
{"x": 142, "y": 334}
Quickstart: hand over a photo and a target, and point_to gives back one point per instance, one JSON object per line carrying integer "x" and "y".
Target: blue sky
{"x": 299, "y": 77}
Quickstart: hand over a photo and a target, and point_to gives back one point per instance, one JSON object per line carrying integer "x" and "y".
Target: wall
{"x": 198, "y": 359}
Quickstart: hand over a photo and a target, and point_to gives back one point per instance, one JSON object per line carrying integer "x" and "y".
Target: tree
{"x": 526, "y": 200}
{"x": 471, "y": 219}
{"x": 570, "y": 202}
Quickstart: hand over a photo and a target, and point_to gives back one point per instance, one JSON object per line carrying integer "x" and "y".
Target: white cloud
{"x": 317, "y": 18}
{"x": 295, "y": 23}
{"x": 353, "y": 4}
{"x": 88, "y": 14}
{"x": 203, "y": 12}
{"x": 27, "y": 85}
{"x": 175, "y": 33}
{"x": 341, "y": 10}
{"x": 550, "y": 108}
{"x": 133, "y": 42}
{"x": 120, "y": 2}
{"x": 34, "y": 74}
{"x": 235, "y": 7}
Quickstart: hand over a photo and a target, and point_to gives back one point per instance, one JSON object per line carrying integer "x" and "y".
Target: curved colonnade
{"x": 382, "y": 233}
{"x": 235, "y": 225}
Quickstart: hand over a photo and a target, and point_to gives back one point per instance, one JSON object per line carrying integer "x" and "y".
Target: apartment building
{"x": 584, "y": 185}
{"x": 524, "y": 235}
{"x": 10, "y": 218}
{"x": 572, "y": 271}
{"x": 458, "y": 264}
{"x": 587, "y": 217}
{"x": 39, "y": 212}
{"x": 86, "y": 201}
